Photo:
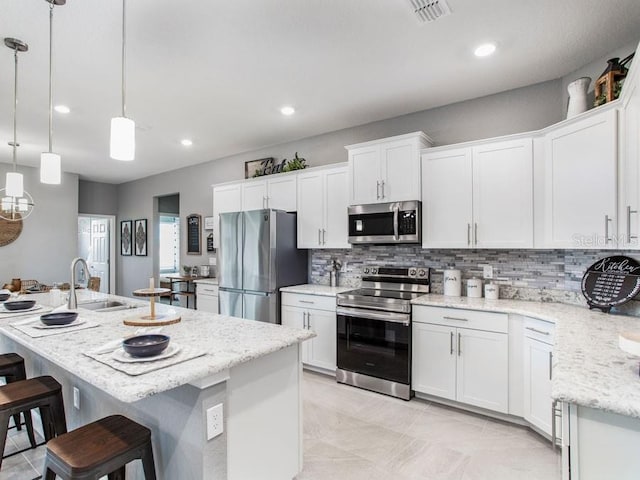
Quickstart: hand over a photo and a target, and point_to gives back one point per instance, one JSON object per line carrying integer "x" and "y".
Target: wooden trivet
{"x": 152, "y": 320}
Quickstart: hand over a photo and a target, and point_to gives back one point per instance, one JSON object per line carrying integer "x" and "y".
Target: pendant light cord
{"x": 124, "y": 53}
{"x": 50, "y": 78}
{"x": 15, "y": 109}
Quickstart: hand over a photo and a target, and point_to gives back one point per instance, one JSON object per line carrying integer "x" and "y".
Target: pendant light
{"x": 15, "y": 203}
{"x": 123, "y": 129}
{"x": 50, "y": 163}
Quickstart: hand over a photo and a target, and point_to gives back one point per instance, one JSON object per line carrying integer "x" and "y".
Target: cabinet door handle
{"x": 550, "y": 365}
{"x": 304, "y": 320}
{"x": 475, "y": 234}
{"x": 468, "y": 234}
{"x": 308, "y": 320}
{"x": 319, "y": 236}
{"x": 382, "y": 185}
{"x": 459, "y": 343}
{"x": 629, "y": 236}
{"x": 456, "y": 318}
{"x": 378, "y": 190}
{"x": 606, "y": 229}
{"x": 541, "y": 332}
{"x": 324, "y": 242}
{"x": 451, "y": 343}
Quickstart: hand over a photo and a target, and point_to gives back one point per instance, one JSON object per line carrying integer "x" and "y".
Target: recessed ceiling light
{"x": 186, "y": 142}
{"x": 287, "y": 110}
{"x": 62, "y": 109}
{"x": 485, "y": 49}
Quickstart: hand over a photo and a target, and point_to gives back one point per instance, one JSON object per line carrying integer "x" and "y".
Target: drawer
{"x": 317, "y": 302}
{"x": 455, "y": 317}
{"x": 204, "y": 289}
{"x": 539, "y": 330}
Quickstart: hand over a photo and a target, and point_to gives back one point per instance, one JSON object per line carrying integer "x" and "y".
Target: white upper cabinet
{"x": 322, "y": 208}
{"x": 278, "y": 192}
{"x": 503, "y": 194}
{"x": 226, "y": 198}
{"x": 629, "y": 173}
{"x": 478, "y": 196}
{"x": 386, "y": 170}
{"x": 447, "y": 198}
{"x": 580, "y": 194}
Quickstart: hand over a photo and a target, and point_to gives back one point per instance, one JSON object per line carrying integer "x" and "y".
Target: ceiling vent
{"x": 430, "y": 10}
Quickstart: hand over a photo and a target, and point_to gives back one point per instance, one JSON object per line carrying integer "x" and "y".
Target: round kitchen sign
{"x": 611, "y": 281}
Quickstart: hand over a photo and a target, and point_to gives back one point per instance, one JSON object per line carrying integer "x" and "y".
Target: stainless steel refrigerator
{"x": 257, "y": 255}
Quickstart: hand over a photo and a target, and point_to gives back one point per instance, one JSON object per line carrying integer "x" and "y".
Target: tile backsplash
{"x": 547, "y": 275}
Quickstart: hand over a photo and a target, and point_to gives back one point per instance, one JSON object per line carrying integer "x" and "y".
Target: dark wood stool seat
{"x": 44, "y": 393}
{"x": 12, "y": 369}
{"x": 103, "y": 447}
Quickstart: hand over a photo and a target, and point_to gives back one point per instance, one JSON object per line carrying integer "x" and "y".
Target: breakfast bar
{"x": 251, "y": 368}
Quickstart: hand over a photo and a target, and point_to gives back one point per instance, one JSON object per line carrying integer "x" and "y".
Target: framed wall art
{"x": 141, "y": 237}
{"x": 126, "y": 237}
{"x": 194, "y": 234}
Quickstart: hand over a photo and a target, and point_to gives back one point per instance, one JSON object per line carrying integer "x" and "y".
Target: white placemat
{"x": 14, "y": 313}
{"x": 140, "y": 368}
{"x": 35, "y": 328}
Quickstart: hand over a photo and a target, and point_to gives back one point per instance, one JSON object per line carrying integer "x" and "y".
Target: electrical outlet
{"x": 76, "y": 397}
{"x": 487, "y": 271}
{"x": 214, "y": 421}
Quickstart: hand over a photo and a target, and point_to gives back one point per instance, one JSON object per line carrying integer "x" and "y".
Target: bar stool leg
{"x": 59, "y": 418}
{"x": 49, "y": 474}
{"x": 28, "y": 421}
{"x": 147, "y": 462}
{"x": 119, "y": 474}
{"x": 4, "y": 426}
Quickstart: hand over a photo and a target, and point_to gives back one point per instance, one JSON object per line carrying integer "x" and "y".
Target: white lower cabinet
{"x": 318, "y": 314}
{"x": 207, "y": 297}
{"x": 537, "y": 361}
{"x": 468, "y": 365}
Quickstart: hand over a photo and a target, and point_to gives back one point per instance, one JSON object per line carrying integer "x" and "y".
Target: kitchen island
{"x": 253, "y": 369}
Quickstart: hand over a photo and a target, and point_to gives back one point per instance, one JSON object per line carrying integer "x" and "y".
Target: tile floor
{"x": 353, "y": 434}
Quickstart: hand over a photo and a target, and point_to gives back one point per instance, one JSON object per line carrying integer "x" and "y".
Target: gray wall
{"x": 523, "y": 109}
{"x": 96, "y": 198}
{"x": 49, "y": 238}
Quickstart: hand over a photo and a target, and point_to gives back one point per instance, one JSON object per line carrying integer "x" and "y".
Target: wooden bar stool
{"x": 103, "y": 447}
{"x": 44, "y": 393}
{"x": 12, "y": 369}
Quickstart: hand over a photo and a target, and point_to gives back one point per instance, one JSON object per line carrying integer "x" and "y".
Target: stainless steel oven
{"x": 374, "y": 330}
{"x": 381, "y": 223}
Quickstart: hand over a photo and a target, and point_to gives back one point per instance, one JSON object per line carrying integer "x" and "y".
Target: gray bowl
{"x": 19, "y": 305}
{"x": 146, "y": 345}
{"x": 4, "y": 296}
{"x": 60, "y": 318}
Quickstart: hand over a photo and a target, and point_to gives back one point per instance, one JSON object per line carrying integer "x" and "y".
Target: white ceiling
{"x": 217, "y": 71}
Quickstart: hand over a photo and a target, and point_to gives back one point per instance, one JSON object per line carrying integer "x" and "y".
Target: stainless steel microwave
{"x": 383, "y": 223}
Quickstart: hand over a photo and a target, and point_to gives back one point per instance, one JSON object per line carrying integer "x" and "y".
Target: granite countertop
{"x": 589, "y": 369}
{"x": 228, "y": 341}
{"x": 208, "y": 281}
{"x": 311, "y": 289}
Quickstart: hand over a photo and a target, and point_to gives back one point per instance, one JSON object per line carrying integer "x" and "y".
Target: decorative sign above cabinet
{"x": 268, "y": 166}
{"x": 611, "y": 281}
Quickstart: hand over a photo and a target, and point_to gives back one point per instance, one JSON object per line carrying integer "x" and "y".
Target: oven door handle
{"x": 396, "y": 211}
{"x": 393, "y": 317}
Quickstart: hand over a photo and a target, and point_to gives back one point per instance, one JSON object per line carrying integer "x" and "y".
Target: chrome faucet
{"x": 73, "y": 301}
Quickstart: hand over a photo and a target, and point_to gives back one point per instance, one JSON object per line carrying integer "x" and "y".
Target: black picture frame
{"x": 194, "y": 234}
{"x": 140, "y": 237}
{"x": 126, "y": 238}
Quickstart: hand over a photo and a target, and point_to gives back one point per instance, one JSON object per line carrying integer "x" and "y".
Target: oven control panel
{"x": 416, "y": 275}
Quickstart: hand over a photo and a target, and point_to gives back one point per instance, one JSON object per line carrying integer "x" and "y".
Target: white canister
{"x": 474, "y": 288}
{"x": 491, "y": 291}
{"x": 452, "y": 283}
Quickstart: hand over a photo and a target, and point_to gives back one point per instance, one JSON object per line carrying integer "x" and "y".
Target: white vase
{"x": 578, "y": 96}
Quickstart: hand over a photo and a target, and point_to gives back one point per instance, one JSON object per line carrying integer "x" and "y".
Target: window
{"x": 169, "y": 243}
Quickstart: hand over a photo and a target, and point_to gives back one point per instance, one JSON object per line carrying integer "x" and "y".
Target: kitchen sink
{"x": 105, "y": 306}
